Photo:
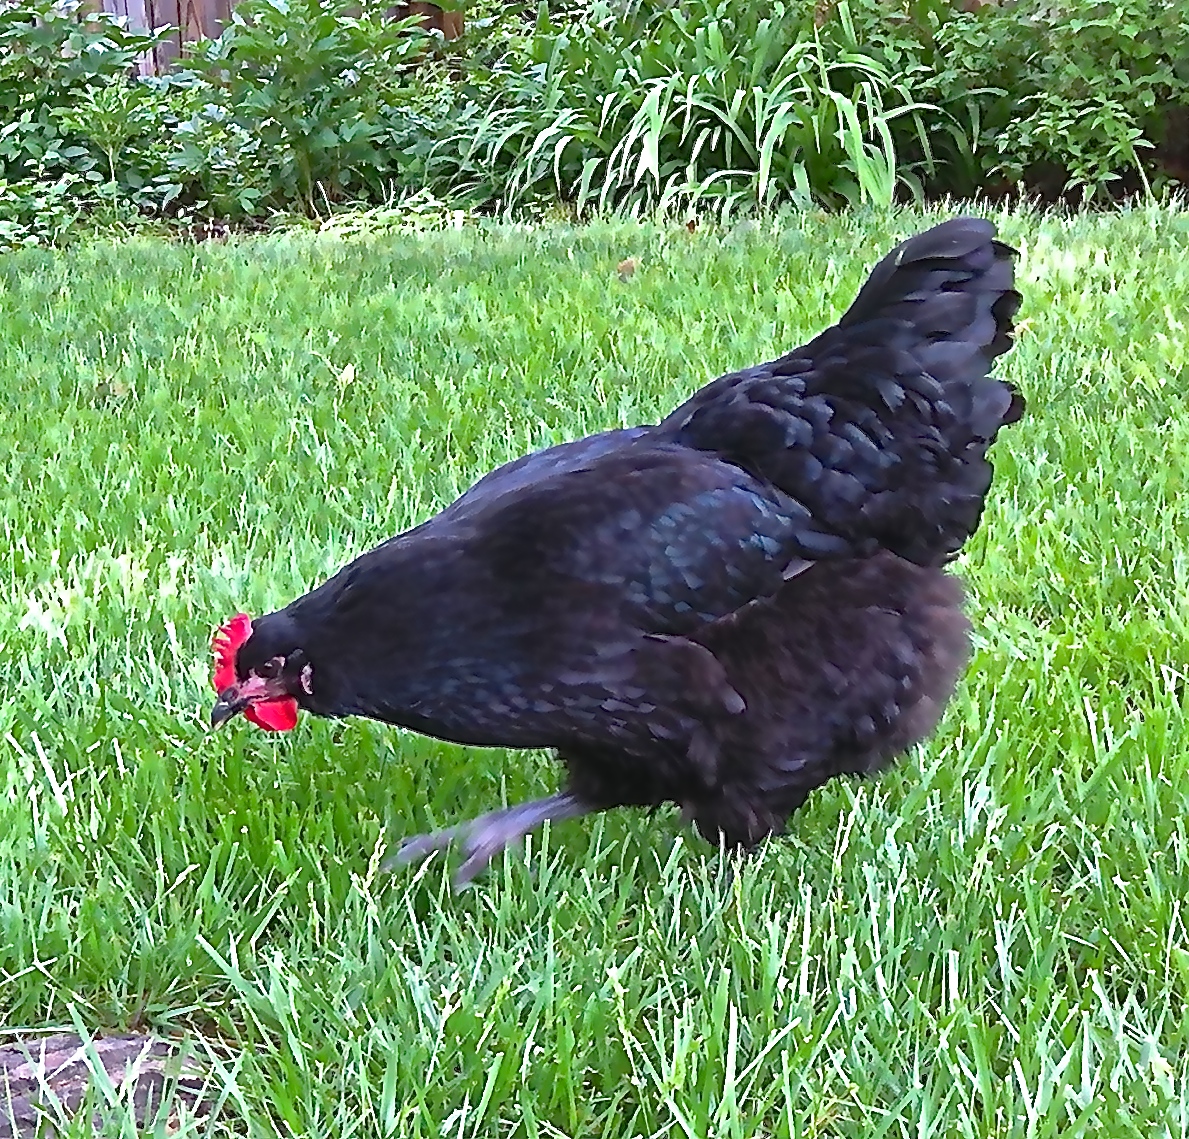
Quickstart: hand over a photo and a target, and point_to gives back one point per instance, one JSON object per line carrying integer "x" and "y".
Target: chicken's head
{"x": 256, "y": 677}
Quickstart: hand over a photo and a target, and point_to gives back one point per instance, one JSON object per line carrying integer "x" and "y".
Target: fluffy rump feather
{"x": 842, "y": 670}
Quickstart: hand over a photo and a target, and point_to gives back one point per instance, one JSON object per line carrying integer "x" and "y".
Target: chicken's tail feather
{"x": 881, "y": 425}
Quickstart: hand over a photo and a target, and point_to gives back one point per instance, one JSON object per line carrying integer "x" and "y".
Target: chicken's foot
{"x": 484, "y": 837}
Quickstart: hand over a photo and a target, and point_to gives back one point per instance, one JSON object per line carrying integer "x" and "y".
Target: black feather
{"x": 913, "y": 353}
{"x": 724, "y": 610}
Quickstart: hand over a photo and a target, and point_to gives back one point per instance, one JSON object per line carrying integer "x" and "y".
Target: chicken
{"x": 722, "y": 611}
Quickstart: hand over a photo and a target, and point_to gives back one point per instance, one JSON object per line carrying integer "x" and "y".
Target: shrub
{"x": 296, "y": 104}
{"x": 37, "y": 212}
{"x": 78, "y": 133}
{"x": 1056, "y": 95}
{"x": 707, "y": 101}
{"x": 53, "y": 58}
{"x": 1075, "y": 91}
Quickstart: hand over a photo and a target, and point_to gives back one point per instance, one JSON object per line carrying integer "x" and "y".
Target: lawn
{"x": 990, "y": 941}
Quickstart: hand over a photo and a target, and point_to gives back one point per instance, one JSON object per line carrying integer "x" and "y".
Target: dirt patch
{"x": 45, "y": 1079}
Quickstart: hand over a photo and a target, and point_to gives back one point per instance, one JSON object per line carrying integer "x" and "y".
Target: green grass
{"x": 990, "y": 941}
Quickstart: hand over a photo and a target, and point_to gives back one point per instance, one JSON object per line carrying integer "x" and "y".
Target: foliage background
{"x": 301, "y": 106}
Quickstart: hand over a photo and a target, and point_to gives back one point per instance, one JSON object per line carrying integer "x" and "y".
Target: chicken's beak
{"x": 234, "y": 699}
{"x": 230, "y": 703}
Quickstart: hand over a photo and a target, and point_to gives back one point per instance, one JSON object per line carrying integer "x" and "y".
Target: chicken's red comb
{"x": 272, "y": 715}
{"x": 225, "y": 645}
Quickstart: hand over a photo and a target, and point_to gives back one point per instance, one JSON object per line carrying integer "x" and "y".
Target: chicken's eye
{"x": 270, "y": 669}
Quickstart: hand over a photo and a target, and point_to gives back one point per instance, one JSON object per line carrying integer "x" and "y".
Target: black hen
{"x": 723, "y": 610}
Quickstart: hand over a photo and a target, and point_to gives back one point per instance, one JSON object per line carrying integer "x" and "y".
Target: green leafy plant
{"x": 110, "y": 117}
{"x": 708, "y": 101}
{"x": 37, "y": 212}
{"x": 296, "y": 103}
{"x": 53, "y": 56}
{"x": 1067, "y": 93}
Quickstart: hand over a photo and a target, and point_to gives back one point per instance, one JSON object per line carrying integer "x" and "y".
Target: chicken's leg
{"x": 483, "y": 838}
